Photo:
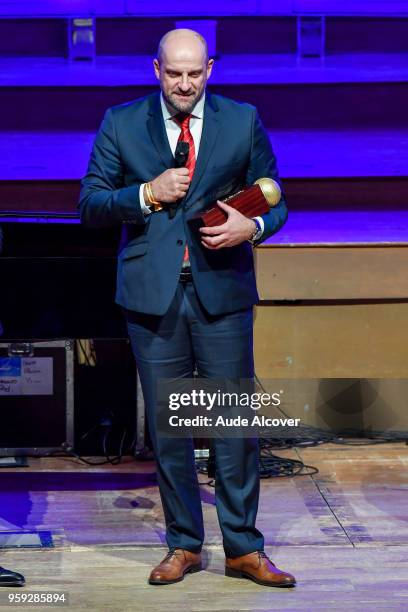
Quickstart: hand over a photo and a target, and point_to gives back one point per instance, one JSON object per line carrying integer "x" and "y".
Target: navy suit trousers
{"x": 171, "y": 346}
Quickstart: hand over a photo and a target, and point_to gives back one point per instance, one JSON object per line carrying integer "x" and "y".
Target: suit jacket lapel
{"x": 208, "y": 139}
{"x": 157, "y": 130}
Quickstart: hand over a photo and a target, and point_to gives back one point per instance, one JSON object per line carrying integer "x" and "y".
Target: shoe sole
{"x": 231, "y": 573}
{"x": 190, "y": 570}
{"x": 12, "y": 584}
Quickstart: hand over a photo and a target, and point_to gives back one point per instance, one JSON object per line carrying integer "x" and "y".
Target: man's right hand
{"x": 171, "y": 185}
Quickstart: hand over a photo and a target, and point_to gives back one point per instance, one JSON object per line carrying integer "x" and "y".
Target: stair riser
{"x": 309, "y": 194}
{"x": 349, "y": 106}
{"x": 132, "y": 35}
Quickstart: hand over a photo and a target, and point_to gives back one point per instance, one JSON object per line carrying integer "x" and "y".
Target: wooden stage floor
{"x": 343, "y": 532}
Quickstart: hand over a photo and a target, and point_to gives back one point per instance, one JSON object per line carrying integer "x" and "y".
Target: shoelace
{"x": 170, "y": 555}
{"x": 263, "y": 555}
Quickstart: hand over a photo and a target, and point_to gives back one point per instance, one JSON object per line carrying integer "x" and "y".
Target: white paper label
{"x": 26, "y": 375}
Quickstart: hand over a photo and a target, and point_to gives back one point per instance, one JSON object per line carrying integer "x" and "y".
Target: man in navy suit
{"x": 188, "y": 295}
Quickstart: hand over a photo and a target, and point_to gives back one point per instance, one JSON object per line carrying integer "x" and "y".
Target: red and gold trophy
{"x": 251, "y": 201}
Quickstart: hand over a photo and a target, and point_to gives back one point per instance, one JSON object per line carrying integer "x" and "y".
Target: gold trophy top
{"x": 270, "y": 189}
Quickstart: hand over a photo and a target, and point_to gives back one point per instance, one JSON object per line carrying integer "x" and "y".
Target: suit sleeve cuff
{"x": 145, "y": 209}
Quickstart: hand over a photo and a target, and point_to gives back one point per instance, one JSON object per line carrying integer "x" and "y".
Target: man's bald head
{"x": 181, "y": 40}
{"x": 182, "y": 67}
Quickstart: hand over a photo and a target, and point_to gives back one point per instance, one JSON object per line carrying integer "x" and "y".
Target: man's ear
{"x": 156, "y": 67}
{"x": 210, "y": 65}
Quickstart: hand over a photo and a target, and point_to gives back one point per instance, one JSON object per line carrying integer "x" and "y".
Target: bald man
{"x": 188, "y": 296}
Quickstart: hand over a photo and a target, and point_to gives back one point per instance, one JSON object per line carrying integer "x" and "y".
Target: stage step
{"x": 43, "y": 200}
{"x": 343, "y": 227}
{"x": 386, "y": 226}
{"x": 348, "y": 106}
{"x": 302, "y": 154}
{"x": 132, "y": 35}
{"x": 230, "y": 69}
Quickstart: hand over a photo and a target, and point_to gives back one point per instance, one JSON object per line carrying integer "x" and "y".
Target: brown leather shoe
{"x": 258, "y": 567}
{"x": 174, "y": 566}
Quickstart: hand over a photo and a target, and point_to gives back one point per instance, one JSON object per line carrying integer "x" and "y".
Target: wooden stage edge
{"x": 343, "y": 532}
{"x": 336, "y": 312}
{"x": 345, "y": 271}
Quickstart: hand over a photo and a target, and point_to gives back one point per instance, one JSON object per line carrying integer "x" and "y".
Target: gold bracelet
{"x": 150, "y": 195}
{"x": 149, "y": 192}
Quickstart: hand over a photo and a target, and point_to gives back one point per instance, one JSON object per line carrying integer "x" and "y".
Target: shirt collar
{"x": 198, "y": 110}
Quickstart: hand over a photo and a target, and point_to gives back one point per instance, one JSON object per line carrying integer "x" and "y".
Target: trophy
{"x": 251, "y": 201}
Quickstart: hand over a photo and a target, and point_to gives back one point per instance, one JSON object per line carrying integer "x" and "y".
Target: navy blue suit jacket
{"x": 132, "y": 148}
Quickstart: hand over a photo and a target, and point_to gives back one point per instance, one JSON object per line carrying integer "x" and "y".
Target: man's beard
{"x": 177, "y": 103}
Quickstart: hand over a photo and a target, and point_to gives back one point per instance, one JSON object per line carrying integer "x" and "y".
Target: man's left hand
{"x": 235, "y": 230}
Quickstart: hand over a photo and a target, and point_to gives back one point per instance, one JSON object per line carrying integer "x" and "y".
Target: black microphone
{"x": 181, "y": 154}
{"x": 180, "y": 160}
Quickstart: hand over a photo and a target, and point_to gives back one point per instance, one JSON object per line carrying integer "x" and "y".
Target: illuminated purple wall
{"x": 330, "y": 80}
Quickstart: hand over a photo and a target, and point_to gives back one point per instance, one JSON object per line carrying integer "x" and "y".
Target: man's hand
{"x": 235, "y": 230}
{"x": 171, "y": 185}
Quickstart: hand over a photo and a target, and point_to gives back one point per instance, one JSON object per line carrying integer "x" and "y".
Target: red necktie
{"x": 185, "y": 136}
{"x": 183, "y": 121}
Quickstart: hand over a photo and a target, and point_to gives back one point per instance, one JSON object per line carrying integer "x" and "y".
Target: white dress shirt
{"x": 173, "y": 131}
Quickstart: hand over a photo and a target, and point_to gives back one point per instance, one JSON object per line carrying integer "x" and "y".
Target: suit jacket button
{"x": 180, "y": 242}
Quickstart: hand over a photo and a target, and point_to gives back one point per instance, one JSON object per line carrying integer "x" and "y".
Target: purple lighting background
{"x": 340, "y": 116}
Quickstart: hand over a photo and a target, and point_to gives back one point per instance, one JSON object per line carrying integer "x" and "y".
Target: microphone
{"x": 180, "y": 160}
{"x": 181, "y": 154}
